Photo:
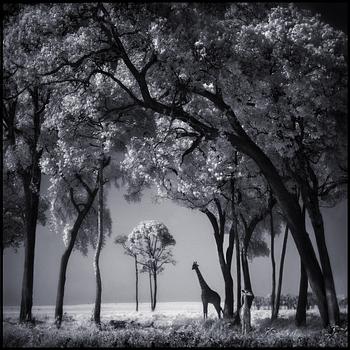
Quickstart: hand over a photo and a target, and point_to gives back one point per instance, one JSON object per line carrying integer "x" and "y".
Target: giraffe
{"x": 245, "y": 311}
{"x": 208, "y": 295}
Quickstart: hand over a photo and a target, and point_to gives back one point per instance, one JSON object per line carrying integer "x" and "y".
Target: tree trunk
{"x": 318, "y": 227}
{"x": 137, "y": 284}
{"x": 32, "y": 208}
{"x": 97, "y": 308}
{"x": 273, "y": 263}
{"x": 150, "y": 288}
{"x": 228, "y": 305}
{"x": 300, "y": 317}
{"x": 246, "y": 276}
{"x": 239, "y": 285}
{"x": 155, "y": 290}
{"x": 65, "y": 257}
{"x": 293, "y": 215}
{"x": 280, "y": 276}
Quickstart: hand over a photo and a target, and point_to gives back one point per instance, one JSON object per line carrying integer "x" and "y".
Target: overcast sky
{"x": 195, "y": 241}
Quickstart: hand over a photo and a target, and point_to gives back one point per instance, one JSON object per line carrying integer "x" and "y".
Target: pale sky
{"x": 195, "y": 241}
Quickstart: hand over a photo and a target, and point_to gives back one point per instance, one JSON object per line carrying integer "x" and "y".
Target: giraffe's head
{"x": 194, "y": 265}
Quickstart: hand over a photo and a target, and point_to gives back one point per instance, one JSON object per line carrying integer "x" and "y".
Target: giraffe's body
{"x": 245, "y": 312}
{"x": 208, "y": 295}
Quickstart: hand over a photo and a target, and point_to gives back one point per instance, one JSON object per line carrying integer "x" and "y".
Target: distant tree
{"x": 123, "y": 241}
{"x": 151, "y": 241}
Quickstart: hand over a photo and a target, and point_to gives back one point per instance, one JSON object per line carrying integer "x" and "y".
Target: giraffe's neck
{"x": 201, "y": 280}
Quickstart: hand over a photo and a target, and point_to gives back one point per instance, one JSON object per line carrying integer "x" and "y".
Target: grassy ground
{"x": 161, "y": 330}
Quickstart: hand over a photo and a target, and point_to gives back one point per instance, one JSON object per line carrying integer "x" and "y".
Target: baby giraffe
{"x": 245, "y": 311}
{"x": 208, "y": 295}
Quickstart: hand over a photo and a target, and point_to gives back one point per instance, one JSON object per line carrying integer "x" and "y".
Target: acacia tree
{"x": 151, "y": 241}
{"x": 123, "y": 241}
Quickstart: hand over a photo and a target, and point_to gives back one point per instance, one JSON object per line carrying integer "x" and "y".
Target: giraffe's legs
{"x": 205, "y": 310}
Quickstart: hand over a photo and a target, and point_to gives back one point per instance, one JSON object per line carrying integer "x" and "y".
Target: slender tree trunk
{"x": 280, "y": 276}
{"x": 98, "y": 297}
{"x": 246, "y": 276}
{"x": 150, "y": 288}
{"x": 137, "y": 284}
{"x": 300, "y": 317}
{"x": 65, "y": 258}
{"x": 239, "y": 285}
{"x": 32, "y": 207}
{"x": 273, "y": 263}
{"x": 293, "y": 215}
{"x": 155, "y": 291}
{"x": 318, "y": 227}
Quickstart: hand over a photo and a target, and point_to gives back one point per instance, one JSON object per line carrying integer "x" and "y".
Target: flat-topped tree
{"x": 152, "y": 242}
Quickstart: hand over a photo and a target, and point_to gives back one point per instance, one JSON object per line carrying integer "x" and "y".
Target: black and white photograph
{"x": 174, "y": 174}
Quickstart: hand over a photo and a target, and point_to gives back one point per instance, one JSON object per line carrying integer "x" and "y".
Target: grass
{"x": 179, "y": 331}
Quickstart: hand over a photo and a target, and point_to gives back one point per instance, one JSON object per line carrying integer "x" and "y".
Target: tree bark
{"x": 98, "y": 297}
{"x": 155, "y": 291}
{"x": 65, "y": 258}
{"x": 273, "y": 263}
{"x": 32, "y": 208}
{"x": 300, "y": 317}
{"x": 280, "y": 276}
{"x": 150, "y": 288}
{"x": 239, "y": 285}
{"x": 137, "y": 284}
{"x": 228, "y": 305}
{"x": 246, "y": 276}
